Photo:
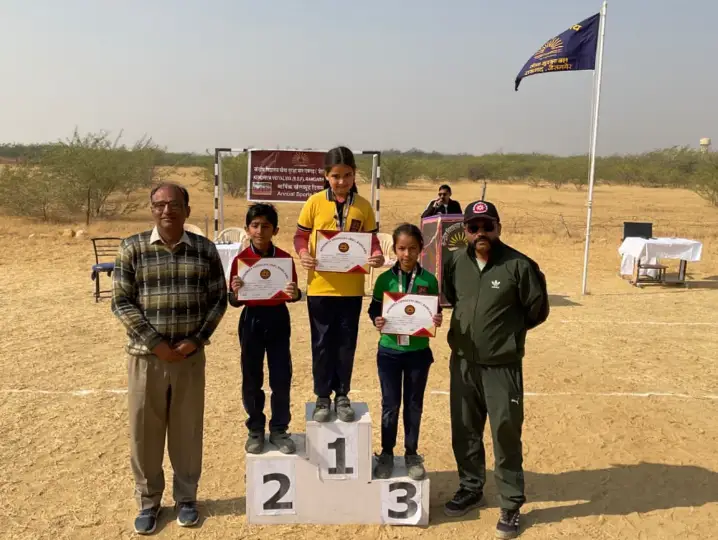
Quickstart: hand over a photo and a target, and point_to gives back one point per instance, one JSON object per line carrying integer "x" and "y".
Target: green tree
{"x": 234, "y": 174}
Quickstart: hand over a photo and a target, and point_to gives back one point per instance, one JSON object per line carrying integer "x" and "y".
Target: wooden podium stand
{"x": 443, "y": 234}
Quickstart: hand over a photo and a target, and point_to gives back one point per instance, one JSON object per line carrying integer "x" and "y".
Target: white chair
{"x": 387, "y": 248}
{"x": 386, "y": 241}
{"x": 193, "y": 229}
{"x": 233, "y": 235}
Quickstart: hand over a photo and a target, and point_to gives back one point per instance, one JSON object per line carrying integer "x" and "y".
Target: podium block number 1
{"x": 338, "y": 449}
{"x": 339, "y": 446}
{"x": 400, "y": 502}
{"x": 273, "y": 487}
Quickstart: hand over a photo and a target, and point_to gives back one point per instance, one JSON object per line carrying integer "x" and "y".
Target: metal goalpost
{"x": 219, "y": 153}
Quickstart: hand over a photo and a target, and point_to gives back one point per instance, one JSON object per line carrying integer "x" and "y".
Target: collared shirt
{"x": 155, "y": 237}
{"x": 251, "y": 253}
{"x": 319, "y": 213}
{"x": 162, "y": 294}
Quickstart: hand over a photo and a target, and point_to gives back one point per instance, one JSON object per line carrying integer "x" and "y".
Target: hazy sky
{"x": 369, "y": 74}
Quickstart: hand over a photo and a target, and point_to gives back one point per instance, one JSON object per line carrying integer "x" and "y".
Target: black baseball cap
{"x": 481, "y": 210}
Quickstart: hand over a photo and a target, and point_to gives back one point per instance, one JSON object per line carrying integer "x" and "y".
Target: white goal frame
{"x": 219, "y": 153}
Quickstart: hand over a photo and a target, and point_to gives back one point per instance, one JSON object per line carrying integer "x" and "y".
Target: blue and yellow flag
{"x": 573, "y": 50}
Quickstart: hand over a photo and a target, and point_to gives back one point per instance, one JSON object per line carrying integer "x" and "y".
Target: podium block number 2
{"x": 273, "y": 487}
{"x": 338, "y": 452}
{"x": 401, "y": 502}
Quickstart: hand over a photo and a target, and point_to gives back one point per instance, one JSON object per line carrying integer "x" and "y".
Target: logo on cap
{"x": 480, "y": 208}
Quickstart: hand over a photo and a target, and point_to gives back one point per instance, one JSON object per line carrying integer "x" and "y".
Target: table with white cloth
{"x": 649, "y": 250}
{"x": 227, "y": 252}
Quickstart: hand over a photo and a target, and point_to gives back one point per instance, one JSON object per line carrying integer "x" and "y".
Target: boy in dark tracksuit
{"x": 497, "y": 295}
{"x": 264, "y": 326}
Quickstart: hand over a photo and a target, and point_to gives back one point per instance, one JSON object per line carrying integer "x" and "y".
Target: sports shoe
{"x": 463, "y": 501}
{"x": 187, "y": 514}
{"x": 384, "y": 466}
{"x": 322, "y": 410}
{"x": 415, "y": 466}
{"x": 255, "y": 442}
{"x": 283, "y": 442}
{"x": 146, "y": 520}
{"x": 344, "y": 409}
{"x": 508, "y": 524}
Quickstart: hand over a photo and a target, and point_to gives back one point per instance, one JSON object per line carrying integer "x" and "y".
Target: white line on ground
{"x": 654, "y": 323}
{"x": 606, "y": 394}
{"x": 122, "y": 391}
{"x": 79, "y": 393}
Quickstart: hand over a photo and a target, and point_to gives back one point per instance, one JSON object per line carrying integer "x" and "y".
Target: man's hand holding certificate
{"x": 344, "y": 252}
{"x": 264, "y": 279}
{"x": 409, "y": 314}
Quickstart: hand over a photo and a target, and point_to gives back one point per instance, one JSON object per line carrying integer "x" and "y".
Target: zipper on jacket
{"x": 476, "y": 305}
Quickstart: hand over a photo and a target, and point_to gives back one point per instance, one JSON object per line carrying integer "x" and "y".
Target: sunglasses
{"x": 488, "y": 226}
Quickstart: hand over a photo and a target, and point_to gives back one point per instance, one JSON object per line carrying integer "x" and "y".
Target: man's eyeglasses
{"x": 487, "y": 226}
{"x": 159, "y": 206}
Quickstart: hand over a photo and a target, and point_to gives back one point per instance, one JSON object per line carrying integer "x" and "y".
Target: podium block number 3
{"x": 338, "y": 452}
{"x": 401, "y": 502}
{"x": 273, "y": 487}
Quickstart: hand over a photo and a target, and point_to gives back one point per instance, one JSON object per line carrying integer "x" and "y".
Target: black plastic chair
{"x": 105, "y": 254}
{"x": 637, "y": 230}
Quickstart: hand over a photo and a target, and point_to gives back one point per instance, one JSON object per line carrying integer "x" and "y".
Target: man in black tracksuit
{"x": 497, "y": 295}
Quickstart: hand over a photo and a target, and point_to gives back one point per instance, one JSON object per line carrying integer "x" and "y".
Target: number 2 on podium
{"x": 339, "y": 446}
{"x": 273, "y": 502}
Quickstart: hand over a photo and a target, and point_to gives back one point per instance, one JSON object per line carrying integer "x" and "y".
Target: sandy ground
{"x": 621, "y": 422}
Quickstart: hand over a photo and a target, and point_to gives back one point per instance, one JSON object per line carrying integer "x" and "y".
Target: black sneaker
{"x": 344, "y": 409}
{"x": 187, "y": 514}
{"x": 255, "y": 442}
{"x": 146, "y": 520}
{"x": 463, "y": 501}
{"x": 322, "y": 410}
{"x": 415, "y": 466}
{"x": 283, "y": 442}
{"x": 508, "y": 524}
{"x": 384, "y": 466}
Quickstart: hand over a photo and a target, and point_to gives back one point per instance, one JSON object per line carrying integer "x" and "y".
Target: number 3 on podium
{"x": 401, "y": 502}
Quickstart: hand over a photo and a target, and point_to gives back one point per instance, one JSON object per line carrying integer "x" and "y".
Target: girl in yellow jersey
{"x": 334, "y": 299}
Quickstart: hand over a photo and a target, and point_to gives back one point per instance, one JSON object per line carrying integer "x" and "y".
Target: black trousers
{"x": 478, "y": 391}
{"x": 334, "y": 324}
{"x": 408, "y": 371}
{"x": 266, "y": 329}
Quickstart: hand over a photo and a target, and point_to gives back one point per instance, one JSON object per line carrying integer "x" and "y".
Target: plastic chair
{"x": 387, "y": 248}
{"x": 193, "y": 229}
{"x": 233, "y": 235}
{"x": 105, "y": 253}
{"x": 386, "y": 241}
{"x": 637, "y": 229}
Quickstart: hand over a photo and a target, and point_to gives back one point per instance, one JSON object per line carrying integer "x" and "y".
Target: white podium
{"x": 329, "y": 479}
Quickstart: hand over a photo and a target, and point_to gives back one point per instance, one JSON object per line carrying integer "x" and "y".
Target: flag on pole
{"x": 572, "y": 50}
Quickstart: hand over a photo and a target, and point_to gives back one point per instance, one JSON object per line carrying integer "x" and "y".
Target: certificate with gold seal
{"x": 409, "y": 314}
{"x": 265, "y": 278}
{"x": 344, "y": 252}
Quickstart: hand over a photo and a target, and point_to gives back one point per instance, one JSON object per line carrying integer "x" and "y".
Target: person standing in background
{"x": 443, "y": 204}
{"x": 170, "y": 293}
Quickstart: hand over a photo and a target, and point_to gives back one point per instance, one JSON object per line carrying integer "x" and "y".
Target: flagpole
{"x": 594, "y": 135}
